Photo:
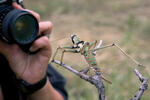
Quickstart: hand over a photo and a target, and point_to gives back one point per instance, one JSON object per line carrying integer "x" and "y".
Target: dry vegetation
{"x": 126, "y": 22}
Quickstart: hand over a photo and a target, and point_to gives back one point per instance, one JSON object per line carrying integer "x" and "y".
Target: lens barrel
{"x": 20, "y": 27}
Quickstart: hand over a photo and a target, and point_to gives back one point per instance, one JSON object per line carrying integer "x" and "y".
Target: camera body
{"x": 10, "y": 1}
{"x": 17, "y": 26}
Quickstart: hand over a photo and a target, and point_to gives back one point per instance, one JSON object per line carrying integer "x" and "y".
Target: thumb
{"x": 41, "y": 43}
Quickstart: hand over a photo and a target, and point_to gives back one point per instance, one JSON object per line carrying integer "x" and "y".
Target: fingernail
{"x": 33, "y": 48}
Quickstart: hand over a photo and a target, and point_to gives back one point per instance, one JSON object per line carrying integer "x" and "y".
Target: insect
{"x": 88, "y": 50}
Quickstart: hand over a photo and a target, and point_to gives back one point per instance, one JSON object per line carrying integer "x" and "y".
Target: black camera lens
{"x": 24, "y": 29}
{"x": 20, "y": 27}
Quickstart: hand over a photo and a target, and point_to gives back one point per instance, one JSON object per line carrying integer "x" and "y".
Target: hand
{"x": 30, "y": 68}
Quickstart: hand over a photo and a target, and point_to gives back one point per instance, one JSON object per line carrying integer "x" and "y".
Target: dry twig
{"x": 143, "y": 86}
{"x": 95, "y": 80}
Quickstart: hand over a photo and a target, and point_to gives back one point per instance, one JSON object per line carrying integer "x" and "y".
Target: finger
{"x": 41, "y": 44}
{"x": 17, "y": 6}
{"x": 36, "y": 15}
{"x": 45, "y": 28}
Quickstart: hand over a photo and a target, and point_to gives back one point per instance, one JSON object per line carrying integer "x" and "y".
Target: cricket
{"x": 89, "y": 50}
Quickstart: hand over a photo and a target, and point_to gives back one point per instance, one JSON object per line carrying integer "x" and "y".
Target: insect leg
{"x": 98, "y": 46}
{"x": 65, "y": 47}
{"x": 56, "y": 53}
{"x": 93, "y": 44}
{"x": 103, "y": 47}
{"x": 112, "y": 45}
{"x": 103, "y": 77}
{"x": 85, "y": 70}
{"x": 67, "y": 50}
{"x": 106, "y": 79}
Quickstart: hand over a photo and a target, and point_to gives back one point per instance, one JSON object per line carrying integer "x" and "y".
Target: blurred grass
{"x": 125, "y": 22}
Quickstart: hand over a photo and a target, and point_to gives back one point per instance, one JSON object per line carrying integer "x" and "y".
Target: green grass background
{"x": 125, "y": 22}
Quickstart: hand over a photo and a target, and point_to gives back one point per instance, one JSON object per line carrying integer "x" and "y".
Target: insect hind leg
{"x": 96, "y": 69}
{"x": 85, "y": 70}
{"x": 118, "y": 47}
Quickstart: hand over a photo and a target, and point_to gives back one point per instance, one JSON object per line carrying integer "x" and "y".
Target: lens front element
{"x": 24, "y": 29}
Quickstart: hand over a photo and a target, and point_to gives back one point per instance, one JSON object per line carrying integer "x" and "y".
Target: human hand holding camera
{"x": 29, "y": 67}
{"x": 25, "y": 45}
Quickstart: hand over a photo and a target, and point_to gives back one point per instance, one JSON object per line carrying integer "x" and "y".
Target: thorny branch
{"x": 97, "y": 81}
{"x": 143, "y": 87}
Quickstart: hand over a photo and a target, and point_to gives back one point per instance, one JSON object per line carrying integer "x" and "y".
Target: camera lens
{"x": 20, "y": 26}
{"x": 24, "y": 29}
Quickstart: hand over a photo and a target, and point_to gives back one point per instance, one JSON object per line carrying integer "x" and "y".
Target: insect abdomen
{"x": 91, "y": 60}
